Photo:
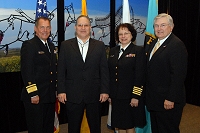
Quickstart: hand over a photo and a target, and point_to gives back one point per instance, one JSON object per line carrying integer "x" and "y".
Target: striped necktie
{"x": 156, "y": 47}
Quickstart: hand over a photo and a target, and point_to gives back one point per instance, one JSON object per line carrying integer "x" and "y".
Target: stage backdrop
{"x": 17, "y": 19}
{"x": 100, "y": 17}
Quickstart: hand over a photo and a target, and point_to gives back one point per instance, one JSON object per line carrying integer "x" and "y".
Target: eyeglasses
{"x": 83, "y": 25}
{"x": 161, "y": 26}
{"x": 125, "y": 34}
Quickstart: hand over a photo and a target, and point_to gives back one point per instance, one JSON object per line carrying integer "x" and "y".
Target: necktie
{"x": 121, "y": 52}
{"x": 46, "y": 45}
{"x": 156, "y": 47}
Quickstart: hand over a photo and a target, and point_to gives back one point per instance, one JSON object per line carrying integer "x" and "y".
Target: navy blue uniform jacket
{"x": 38, "y": 70}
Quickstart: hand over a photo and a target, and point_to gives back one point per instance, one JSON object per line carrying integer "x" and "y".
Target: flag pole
{"x": 84, "y": 8}
{"x": 84, "y": 125}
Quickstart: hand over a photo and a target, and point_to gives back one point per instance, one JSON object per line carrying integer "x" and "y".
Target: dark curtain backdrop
{"x": 186, "y": 15}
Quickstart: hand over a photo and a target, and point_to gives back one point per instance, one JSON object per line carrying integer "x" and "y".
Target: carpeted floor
{"x": 190, "y": 122}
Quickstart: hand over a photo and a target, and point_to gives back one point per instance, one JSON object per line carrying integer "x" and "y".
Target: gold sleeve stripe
{"x": 31, "y": 88}
{"x": 137, "y": 90}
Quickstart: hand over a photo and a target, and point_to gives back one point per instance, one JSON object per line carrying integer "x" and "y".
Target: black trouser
{"x": 166, "y": 121}
{"x": 75, "y": 115}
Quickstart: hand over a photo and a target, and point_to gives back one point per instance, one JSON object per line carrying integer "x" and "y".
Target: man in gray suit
{"x": 166, "y": 72}
{"x": 83, "y": 77}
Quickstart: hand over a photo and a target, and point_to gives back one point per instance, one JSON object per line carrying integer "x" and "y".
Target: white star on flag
{"x": 40, "y": 2}
{"x": 45, "y": 3}
{"x": 44, "y": 11}
{"x": 41, "y": 9}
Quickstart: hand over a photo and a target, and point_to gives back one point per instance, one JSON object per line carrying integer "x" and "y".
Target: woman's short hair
{"x": 130, "y": 27}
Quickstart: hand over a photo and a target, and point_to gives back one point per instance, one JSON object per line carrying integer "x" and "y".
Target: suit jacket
{"x": 166, "y": 72}
{"x": 82, "y": 81}
{"x": 127, "y": 74}
{"x": 38, "y": 70}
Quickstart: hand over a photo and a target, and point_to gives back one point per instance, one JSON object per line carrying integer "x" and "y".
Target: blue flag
{"x": 152, "y": 13}
{"x": 147, "y": 128}
{"x": 41, "y": 9}
{"x": 149, "y": 37}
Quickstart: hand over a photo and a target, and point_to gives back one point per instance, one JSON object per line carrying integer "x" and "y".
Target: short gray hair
{"x": 44, "y": 18}
{"x": 169, "y": 18}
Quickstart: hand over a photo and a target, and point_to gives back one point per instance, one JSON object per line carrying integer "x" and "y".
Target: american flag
{"x": 41, "y": 9}
{"x": 56, "y": 120}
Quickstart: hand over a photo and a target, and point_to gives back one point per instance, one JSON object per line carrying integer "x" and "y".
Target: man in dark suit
{"x": 166, "y": 72}
{"x": 38, "y": 69}
{"x": 83, "y": 77}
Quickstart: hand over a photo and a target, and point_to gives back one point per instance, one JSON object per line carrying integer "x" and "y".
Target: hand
{"x": 103, "y": 97}
{"x": 35, "y": 99}
{"x": 62, "y": 97}
{"x": 168, "y": 104}
{"x": 134, "y": 102}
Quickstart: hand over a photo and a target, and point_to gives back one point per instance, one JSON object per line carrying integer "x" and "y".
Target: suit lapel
{"x": 52, "y": 49}
{"x": 117, "y": 50}
{"x": 161, "y": 48}
{"x": 114, "y": 54}
{"x": 42, "y": 47}
{"x": 151, "y": 48}
{"x": 90, "y": 47}
{"x": 74, "y": 44}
